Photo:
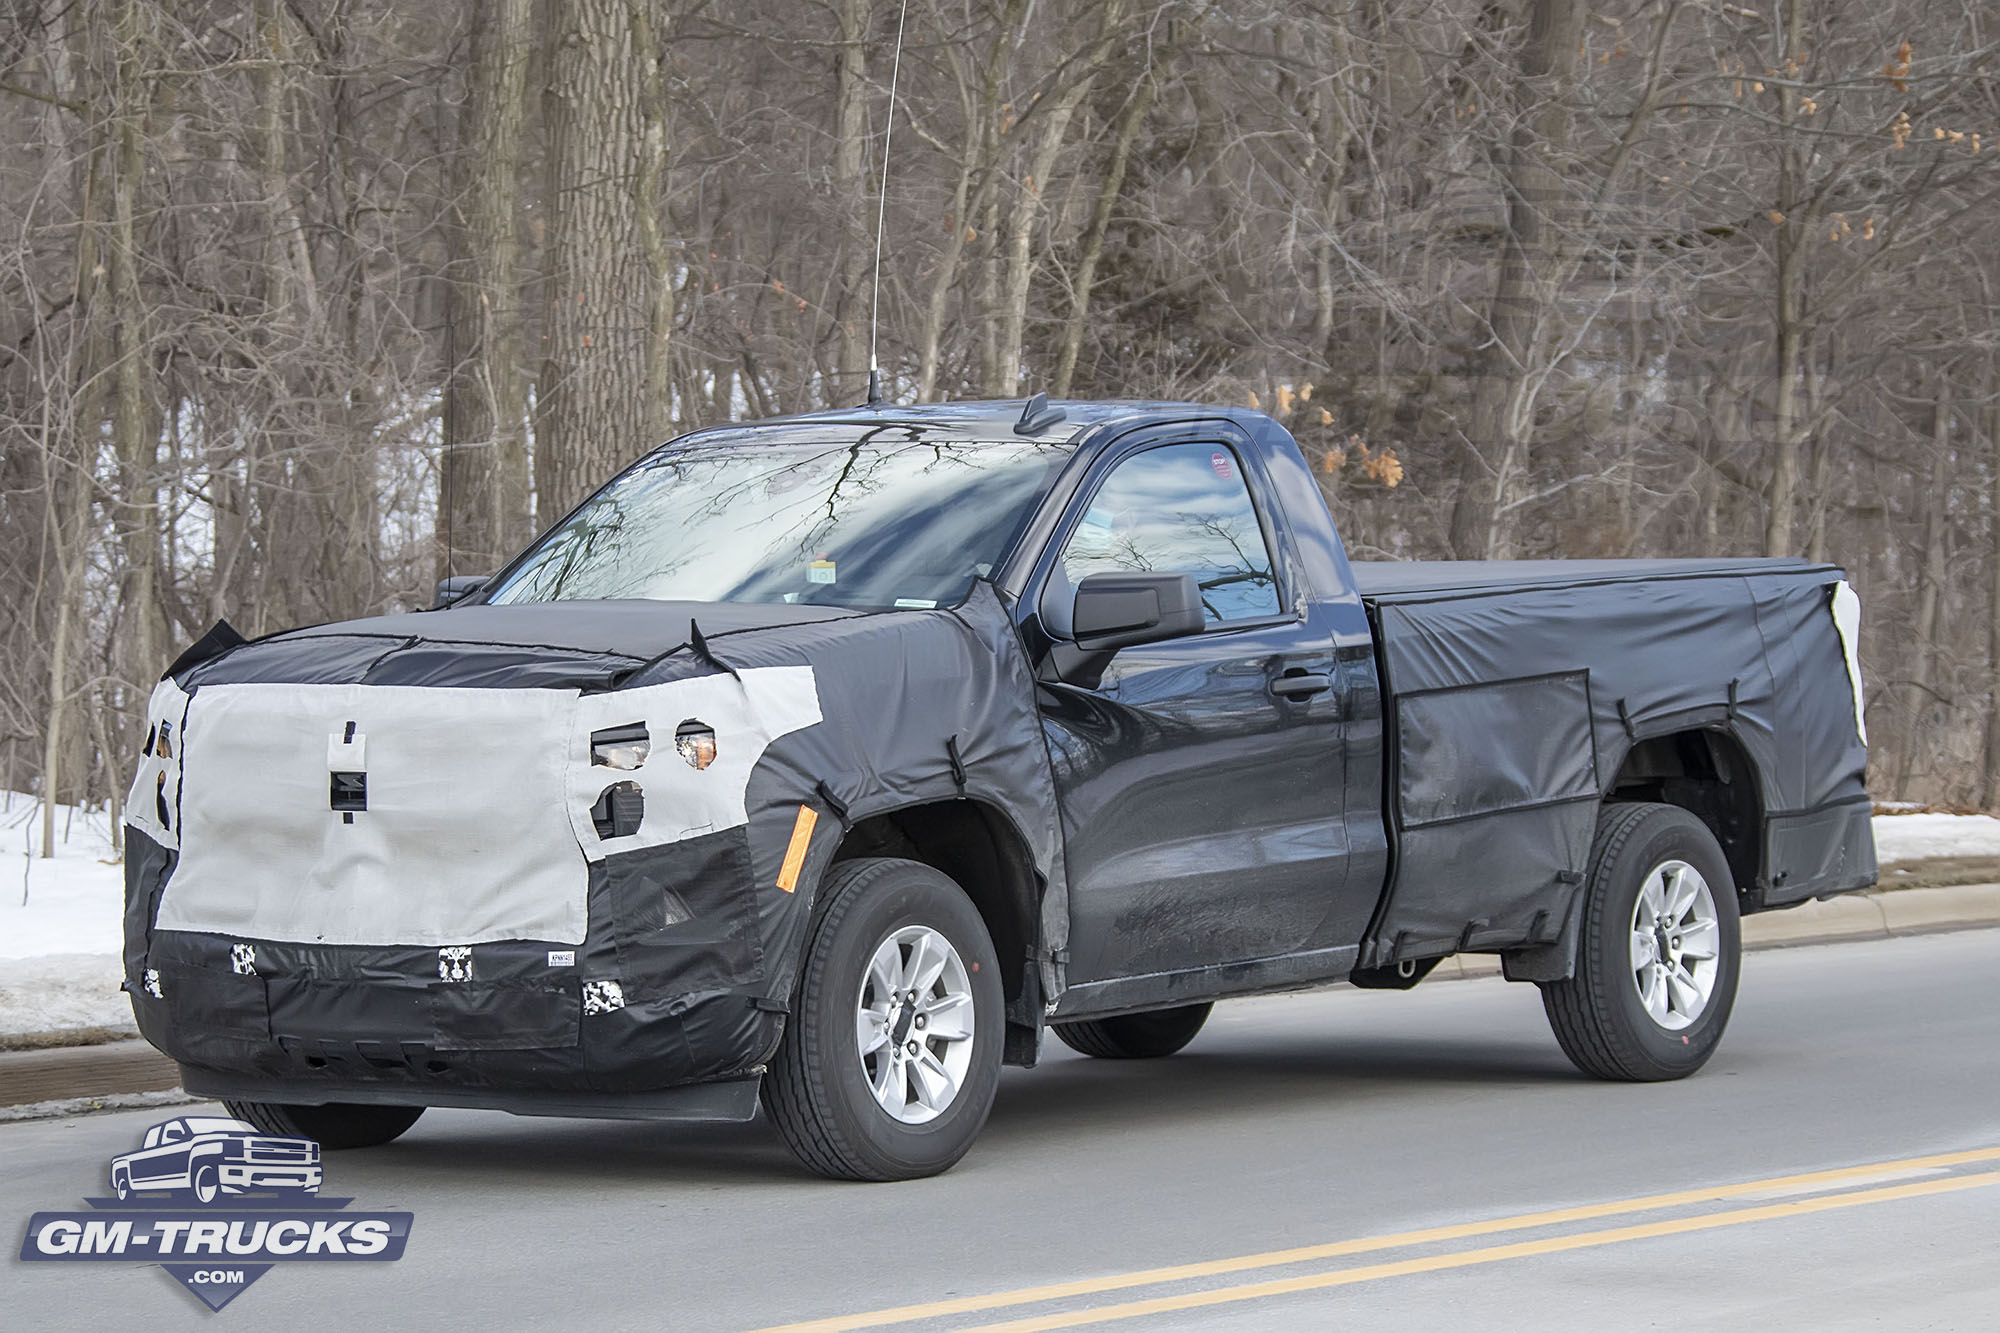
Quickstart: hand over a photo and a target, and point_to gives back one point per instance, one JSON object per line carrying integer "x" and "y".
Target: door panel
{"x": 1203, "y": 814}
{"x": 1202, "y": 779}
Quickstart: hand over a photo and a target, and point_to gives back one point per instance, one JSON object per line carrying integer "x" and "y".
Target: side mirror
{"x": 1120, "y": 610}
{"x": 457, "y": 588}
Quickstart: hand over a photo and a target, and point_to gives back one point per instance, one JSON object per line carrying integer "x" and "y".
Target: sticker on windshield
{"x": 1220, "y": 462}
{"x": 916, "y": 603}
{"x": 819, "y": 571}
{"x": 217, "y": 1203}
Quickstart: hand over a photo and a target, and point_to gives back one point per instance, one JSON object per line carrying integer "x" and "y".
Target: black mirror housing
{"x": 457, "y": 588}
{"x": 1120, "y": 610}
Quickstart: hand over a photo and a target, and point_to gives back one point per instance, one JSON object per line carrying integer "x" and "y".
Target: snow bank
{"x": 1914, "y": 837}
{"x": 62, "y": 990}
{"x": 59, "y": 964}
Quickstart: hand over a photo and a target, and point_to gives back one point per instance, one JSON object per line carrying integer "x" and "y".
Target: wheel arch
{"x": 985, "y": 854}
{"x": 1710, "y": 773}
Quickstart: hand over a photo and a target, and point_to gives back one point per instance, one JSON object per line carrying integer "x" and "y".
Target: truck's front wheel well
{"x": 980, "y": 849}
{"x": 1711, "y": 776}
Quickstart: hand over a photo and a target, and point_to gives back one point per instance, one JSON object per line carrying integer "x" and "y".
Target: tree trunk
{"x": 1020, "y": 255}
{"x": 1137, "y": 106}
{"x": 971, "y": 196}
{"x": 483, "y": 505}
{"x": 133, "y": 436}
{"x": 1333, "y": 131}
{"x": 1930, "y": 588}
{"x": 1494, "y": 456}
{"x": 1019, "y": 265}
{"x": 67, "y": 472}
{"x": 1788, "y": 420}
{"x": 656, "y": 400}
{"x": 853, "y": 303}
{"x": 343, "y": 453}
{"x": 593, "y": 410}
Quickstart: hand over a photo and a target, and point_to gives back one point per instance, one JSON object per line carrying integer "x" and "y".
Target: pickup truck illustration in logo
{"x": 209, "y": 1156}
{"x": 216, "y": 1203}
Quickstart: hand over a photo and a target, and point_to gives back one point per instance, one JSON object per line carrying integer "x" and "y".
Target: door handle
{"x": 1301, "y": 684}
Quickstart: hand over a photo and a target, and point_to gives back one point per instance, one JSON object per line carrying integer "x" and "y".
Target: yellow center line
{"x": 1491, "y": 1254}
{"x": 1336, "y": 1249}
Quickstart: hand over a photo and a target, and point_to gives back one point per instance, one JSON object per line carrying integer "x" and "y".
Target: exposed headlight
{"x": 623, "y": 747}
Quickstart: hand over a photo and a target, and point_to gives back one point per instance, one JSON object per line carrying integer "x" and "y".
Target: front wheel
{"x": 207, "y": 1183}
{"x": 334, "y": 1125}
{"x": 1659, "y": 953}
{"x": 890, "y": 1061}
{"x": 1135, "y": 1036}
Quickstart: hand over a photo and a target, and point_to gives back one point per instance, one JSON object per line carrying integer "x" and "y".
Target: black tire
{"x": 1135, "y": 1036}
{"x": 1598, "y": 1017}
{"x": 335, "y": 1125}
{"x": 207, "y": 1183}
{"x": 817, "y": 1092}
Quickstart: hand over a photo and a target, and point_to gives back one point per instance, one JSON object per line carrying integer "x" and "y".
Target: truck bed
{"x": 1515, "y": 691}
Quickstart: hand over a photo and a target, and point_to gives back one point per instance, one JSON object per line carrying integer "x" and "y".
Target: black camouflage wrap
{"x": 1517, "y": 690}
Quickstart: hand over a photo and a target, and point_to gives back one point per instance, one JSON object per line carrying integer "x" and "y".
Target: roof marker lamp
{"x": 623, "y": 748}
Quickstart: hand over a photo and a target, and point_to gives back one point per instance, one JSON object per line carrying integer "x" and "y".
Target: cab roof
{"x": 994, "y": 419}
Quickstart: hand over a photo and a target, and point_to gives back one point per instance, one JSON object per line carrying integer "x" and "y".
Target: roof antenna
{"x": 881, "y": 212}
{"x": 1037, "y": 416}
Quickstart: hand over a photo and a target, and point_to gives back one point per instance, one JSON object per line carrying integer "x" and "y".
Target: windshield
{"x": 875, "y": 524}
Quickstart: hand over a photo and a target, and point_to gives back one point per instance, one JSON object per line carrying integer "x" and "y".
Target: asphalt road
{"x": 1836, "y": 1166}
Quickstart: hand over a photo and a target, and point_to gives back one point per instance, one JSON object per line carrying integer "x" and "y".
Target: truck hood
{"x": 582, "y": 645}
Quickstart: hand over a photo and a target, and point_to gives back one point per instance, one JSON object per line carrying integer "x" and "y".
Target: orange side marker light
{"x": 795, "y": 852}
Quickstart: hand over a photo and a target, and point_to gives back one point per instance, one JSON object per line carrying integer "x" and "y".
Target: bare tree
{"x": 483, "y": 485}
{"x": 597, "y": 396}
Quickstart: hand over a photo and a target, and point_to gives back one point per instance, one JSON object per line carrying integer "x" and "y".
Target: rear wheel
{"x": 1660, "y": 950}
{"x": 334, "y": 1125}
{"x": 1135, "y": 1036}
{"x": 891, "y": 1058}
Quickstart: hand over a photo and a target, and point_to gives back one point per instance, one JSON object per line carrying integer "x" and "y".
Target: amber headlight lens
{"x": 696, "y": 742}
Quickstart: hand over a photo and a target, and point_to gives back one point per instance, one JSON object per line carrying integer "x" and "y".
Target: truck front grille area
{"x": 676, "y": 928}
{"x": 279, "y": 1150}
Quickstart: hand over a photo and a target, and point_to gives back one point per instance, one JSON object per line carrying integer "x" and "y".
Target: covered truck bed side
{"x": 1518, "y": 693}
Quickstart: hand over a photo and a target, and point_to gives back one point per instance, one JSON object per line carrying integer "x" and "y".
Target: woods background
{"x": 304, "y": 302}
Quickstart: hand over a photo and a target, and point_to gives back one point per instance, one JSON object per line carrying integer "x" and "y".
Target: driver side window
{"x": 1180, "y": 509}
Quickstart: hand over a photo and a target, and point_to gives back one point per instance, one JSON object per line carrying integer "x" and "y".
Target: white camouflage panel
{"x": 477, "y": 821}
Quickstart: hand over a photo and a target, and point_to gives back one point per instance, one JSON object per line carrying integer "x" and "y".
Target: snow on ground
{"x": 62, "y": 990}
{"x": 59, "y": 964}
{"x": 59, "y": 949}
{"x": 1914, "y": 837}
{"x": 73, "y": 900}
